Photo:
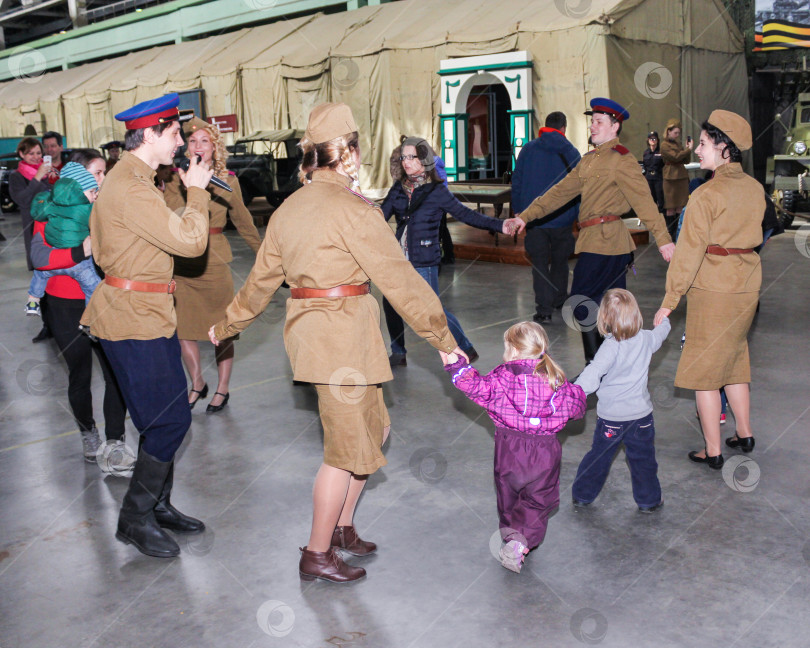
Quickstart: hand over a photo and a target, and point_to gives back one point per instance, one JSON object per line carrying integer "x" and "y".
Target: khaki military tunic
{"x": 324, "y": 236}
{"x": 135, "y": 236}
{"x": 676, "y": 177}
{"x": 204, "y": 283}
{"x": 611, "y": 183}
{"x": 722, "y": 291}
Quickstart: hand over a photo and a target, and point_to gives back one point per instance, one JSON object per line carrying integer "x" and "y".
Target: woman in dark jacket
{"x": 418, "y": 199}
{"x": 30, "y": 178}
{"x": 653, "y": 167}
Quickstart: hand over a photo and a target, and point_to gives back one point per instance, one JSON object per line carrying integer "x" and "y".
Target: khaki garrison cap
{"x": 328, "y": 121}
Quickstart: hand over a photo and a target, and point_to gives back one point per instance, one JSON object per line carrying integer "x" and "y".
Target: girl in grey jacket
{"x": 618, "y": 375}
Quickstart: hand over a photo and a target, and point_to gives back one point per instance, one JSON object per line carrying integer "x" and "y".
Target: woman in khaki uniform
{"x": 204, "y": 284}
{"x": 676, "y": 179}
{"x": 329, "y": 242}
{"x": 717, "y": 269}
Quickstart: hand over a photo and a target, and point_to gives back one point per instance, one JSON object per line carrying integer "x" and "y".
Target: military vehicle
{"x": 261, "y": 173}
{"x": 788, "y": 174}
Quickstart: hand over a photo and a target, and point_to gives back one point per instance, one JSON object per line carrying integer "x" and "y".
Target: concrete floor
{"x": 725, "y": 563}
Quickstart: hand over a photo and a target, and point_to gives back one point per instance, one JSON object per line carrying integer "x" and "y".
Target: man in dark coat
{"x": 541, "y": 164}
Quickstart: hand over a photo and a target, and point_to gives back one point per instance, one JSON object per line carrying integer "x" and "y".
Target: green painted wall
{"x": 161, "y": 25}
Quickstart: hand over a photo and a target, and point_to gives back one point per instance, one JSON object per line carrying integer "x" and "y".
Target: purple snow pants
{"x": 527, "y": 481}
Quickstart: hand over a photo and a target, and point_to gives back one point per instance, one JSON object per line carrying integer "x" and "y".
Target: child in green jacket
{"x": 67, "y": 212}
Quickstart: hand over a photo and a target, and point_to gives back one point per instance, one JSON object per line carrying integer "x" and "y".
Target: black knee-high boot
{"x": 137, "y": 524}
{"x": 591, "y": 341}
{"x": 169, "y": 517}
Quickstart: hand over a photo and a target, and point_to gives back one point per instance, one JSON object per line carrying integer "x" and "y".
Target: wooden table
{"x": 496, "y": 195}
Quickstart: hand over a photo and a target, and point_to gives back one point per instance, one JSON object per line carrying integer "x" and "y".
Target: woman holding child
{"x": 716, "y": 268}
{"x": 68, "y": 207}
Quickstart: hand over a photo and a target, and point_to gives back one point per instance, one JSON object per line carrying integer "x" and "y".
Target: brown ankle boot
{"x": 346, "y": 538}
{"x": 327, "y": 565}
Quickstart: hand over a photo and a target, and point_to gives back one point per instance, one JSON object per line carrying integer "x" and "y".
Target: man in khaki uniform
{"x": 134, "y": 237}
{"x": 611, "y": 183}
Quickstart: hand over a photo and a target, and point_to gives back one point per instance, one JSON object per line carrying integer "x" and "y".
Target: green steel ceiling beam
{"x": 160, "y": 25}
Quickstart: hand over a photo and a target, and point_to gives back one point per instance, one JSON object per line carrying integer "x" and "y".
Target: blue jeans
{"x": 83, "y": 272}
{"x": 638, "y": 438}
{"x": 396, "y": 327}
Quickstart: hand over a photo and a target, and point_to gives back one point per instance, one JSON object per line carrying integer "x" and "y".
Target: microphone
{"x": 185, "y": 163}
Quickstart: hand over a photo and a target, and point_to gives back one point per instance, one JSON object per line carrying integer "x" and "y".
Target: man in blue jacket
{"x": 541, "y": 164}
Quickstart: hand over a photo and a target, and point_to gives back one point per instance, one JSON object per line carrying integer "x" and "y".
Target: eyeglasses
{"x": 410, "y": 158}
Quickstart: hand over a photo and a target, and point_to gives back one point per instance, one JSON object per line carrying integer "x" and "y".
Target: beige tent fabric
{"x": 383, "y": 61}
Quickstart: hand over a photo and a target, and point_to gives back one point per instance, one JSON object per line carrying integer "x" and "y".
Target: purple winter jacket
{"x": 517, "y": 399}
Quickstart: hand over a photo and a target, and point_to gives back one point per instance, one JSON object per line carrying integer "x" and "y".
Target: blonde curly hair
{"x": 220, "y": 154}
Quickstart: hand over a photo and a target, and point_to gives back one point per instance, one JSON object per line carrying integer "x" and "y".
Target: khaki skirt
{"x": 353, "y": 418}
{"x": 676, "y": 193}
{"x": 716, "y": 350}
{"x": 201, "y": 299}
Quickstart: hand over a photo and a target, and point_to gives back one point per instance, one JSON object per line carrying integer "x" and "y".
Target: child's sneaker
{"x": 512, "y": 555}
{"x": 32, "y": 308}
{"x": 722, "y": 419}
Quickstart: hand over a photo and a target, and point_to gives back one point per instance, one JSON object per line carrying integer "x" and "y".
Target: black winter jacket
{"x": 423, "y": 215}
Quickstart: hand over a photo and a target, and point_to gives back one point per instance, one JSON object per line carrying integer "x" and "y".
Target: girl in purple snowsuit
{"x": 529, "y": 400}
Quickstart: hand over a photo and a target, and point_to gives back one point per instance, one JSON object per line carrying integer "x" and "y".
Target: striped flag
{"x": 781, "y": 35}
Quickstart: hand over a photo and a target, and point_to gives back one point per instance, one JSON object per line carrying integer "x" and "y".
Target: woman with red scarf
{"x": 30, "y": 178}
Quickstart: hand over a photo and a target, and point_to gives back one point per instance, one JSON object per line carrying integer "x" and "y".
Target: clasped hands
{"x": 513, "y": 226}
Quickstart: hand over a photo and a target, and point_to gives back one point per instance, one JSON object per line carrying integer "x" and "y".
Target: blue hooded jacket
{"x": 542, "y": 163}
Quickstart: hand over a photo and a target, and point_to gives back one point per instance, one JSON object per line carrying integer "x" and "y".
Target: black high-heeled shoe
{"x": 202, "y": 394}
{"x": 213, "y": 409}
{"x": 746, "y": 444}
{"x": 713, "y": 462}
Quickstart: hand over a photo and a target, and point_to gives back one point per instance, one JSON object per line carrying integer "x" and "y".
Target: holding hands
{"x": 513, "y": 226}
{"x": 660, "y": 315}
{"x": 453, "y": 356}
{"x": 667, "y": 251}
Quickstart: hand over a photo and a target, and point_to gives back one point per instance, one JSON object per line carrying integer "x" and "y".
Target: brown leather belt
{"x": 721, "y": 251}
{"x": 140, "y": 286}
{"x": 337, "y": 291}
{"x": 215, "y": 230}
{"x": 599, "y": 220}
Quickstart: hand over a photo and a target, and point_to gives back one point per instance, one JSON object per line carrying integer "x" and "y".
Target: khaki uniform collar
{"x": 729, "y": 167}
{"x": 327, "y": 175}
{"x": 607, "y": 145}
{"x": 138, "y": 167}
